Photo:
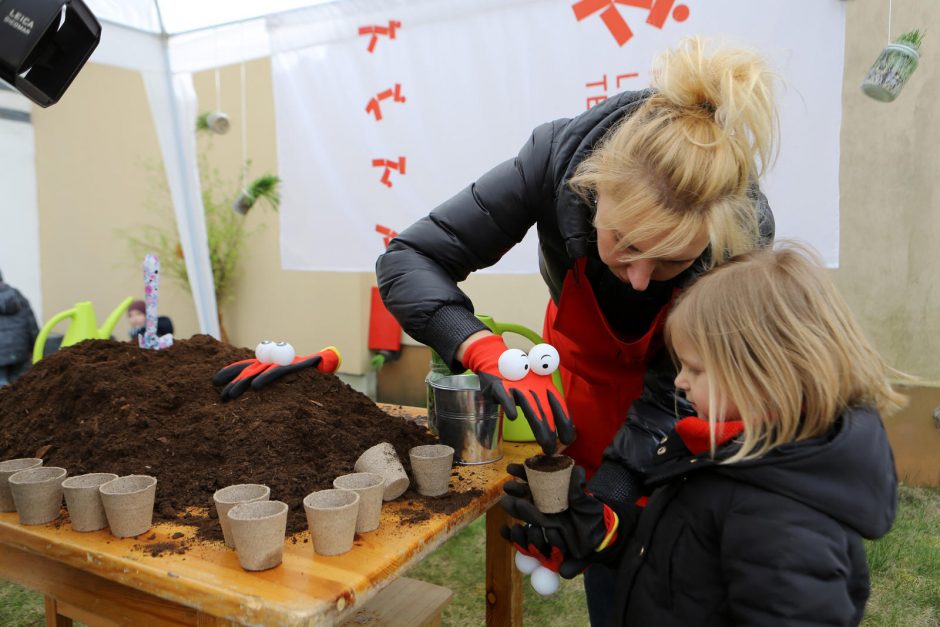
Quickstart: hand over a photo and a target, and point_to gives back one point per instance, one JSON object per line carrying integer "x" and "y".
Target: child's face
{"x": 136, "y": 318}
{"x": 693, "y": 379}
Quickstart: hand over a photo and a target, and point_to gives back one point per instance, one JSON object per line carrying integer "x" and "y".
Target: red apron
{"x": 602, "y": 375}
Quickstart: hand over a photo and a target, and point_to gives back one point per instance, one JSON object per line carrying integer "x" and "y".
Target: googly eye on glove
{"x": 272, "y": 361}
{"x": 511, "y": 377}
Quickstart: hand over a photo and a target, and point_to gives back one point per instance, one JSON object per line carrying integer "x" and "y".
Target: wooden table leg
{"x": 53, "y": 618}
{"x": 503, "y": 579}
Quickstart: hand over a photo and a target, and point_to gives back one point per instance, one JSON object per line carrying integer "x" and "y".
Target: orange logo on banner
{"x": 373, "y": 106}
{"x": 386, "y": 233}
{"x": 593, "y": 100}
{"x": 389, "y": 166}
{"x": 375, "y": 31}
{"x": 617, "y": 25}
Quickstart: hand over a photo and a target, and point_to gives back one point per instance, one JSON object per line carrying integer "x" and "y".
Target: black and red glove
{"x": 237, "y": 377}
{"x": 571, "y": 540}
{"x": 542, "y": 404}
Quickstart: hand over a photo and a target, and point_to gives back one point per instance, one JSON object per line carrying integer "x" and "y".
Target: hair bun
{"x": 732, "y": 84}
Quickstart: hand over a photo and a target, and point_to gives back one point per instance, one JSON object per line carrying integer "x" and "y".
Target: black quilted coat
{"x": 775, "y": 541}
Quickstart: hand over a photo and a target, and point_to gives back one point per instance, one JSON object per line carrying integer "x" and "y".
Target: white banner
{"x": 386, "y": 108}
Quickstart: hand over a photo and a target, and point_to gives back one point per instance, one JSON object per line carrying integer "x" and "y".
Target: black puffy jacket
{"x": 775, "y": 541}
{"x": 18, "y": 329}
{"x": 419, "y": 272}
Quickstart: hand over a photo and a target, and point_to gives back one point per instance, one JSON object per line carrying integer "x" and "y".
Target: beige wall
{"x": 91, "y": 147}
{"x": 890, "y": 206}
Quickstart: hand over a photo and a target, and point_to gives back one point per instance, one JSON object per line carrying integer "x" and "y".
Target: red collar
{"x": 695, "y": 433}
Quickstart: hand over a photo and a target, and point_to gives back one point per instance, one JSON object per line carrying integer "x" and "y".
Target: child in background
{"x": 137, "y": 318}
{"x": 758, "y": 505}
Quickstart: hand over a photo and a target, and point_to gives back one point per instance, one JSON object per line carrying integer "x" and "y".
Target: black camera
{"x": 43, "y": 45}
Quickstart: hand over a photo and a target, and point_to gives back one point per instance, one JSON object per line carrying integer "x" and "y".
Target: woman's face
{"x": 693, "y": 379}
{"x": 640, "y": 272}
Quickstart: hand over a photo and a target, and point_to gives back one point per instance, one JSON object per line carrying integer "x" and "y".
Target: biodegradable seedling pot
{"x": 370, "y": 487}
{"x": 431, "y": 464}
{"x": 83, "y": 498}
{"x": 37, "y": 493}
{"x": 8, "y": 468}
{"x": 383, "y": 460}
{"x": 331, "y": 516}
{"x": 128, "y": 504}
{"x": 227, "y": 498}
{"x": 548, "y": 477}
{"x": 258, "y": 529}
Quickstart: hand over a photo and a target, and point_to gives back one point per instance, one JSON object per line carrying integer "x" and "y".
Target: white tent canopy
{"x": 168, "y": 40}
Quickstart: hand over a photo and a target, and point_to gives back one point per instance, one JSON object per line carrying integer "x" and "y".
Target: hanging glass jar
{"x": 893, "y": 67}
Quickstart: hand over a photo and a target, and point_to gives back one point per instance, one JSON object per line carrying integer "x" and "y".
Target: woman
{"x": 630, "y": 199}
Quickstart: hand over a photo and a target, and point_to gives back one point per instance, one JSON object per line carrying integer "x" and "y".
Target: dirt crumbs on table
{"x": 106, "y": 406}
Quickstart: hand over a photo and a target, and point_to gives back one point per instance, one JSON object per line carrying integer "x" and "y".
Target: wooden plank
{"x": 71, "y": 593}
{"x": 503, "y": 579}
{"x": 305, "y": 589}
{"x": 405, "y": 602}
{"x": 53, "y": 617}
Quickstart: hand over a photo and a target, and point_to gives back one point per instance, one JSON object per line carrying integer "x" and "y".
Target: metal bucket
{"x": 464, "y": 420}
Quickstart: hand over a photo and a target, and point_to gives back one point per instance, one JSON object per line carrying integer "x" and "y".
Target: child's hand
{"x": 571, "y": 539}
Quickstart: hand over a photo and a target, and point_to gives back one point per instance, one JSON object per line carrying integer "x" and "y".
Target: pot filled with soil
{"x": 548, "y": 477}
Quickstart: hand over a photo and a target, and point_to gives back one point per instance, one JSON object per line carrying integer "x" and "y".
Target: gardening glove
{"x": 272, "y": 361}
{"x": 327, "y": 360}
{"x": 543, "y": 407}
{"x": 584, "y": 533}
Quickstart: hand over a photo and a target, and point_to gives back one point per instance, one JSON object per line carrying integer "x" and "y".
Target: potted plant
{"x": 893, "y": 67}
{"x": 226, "y": 229}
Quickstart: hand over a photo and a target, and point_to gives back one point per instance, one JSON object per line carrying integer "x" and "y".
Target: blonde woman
{"x": 760, "y": 501}
{"x": 631, "y": 199}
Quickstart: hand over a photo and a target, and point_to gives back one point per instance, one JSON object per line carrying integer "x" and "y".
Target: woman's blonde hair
{"x": 777, "y": 340}
{"x": 682, "y": 163}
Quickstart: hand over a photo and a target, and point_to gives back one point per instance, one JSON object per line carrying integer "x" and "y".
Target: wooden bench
{"x": 403, "y": 603}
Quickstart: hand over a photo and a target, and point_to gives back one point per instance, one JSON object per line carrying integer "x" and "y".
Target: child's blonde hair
{"x": 682, "y": 163}
{"x": 777, "y": 340}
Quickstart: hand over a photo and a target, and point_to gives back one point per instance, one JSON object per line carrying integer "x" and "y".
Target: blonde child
{"x": 758, "y": 505}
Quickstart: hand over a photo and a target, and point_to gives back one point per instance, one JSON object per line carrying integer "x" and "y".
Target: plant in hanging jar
{"x": 893, "y": 67}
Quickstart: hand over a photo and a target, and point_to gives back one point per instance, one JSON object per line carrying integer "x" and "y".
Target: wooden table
{"x": 99, "y": 579}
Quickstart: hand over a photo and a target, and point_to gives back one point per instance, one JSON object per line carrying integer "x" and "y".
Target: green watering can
{"x": 82, "y": 327}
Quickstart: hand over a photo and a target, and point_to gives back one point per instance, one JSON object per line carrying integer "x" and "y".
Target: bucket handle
{"x": 508, "y": 327}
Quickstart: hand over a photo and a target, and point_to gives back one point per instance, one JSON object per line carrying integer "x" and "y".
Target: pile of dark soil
{"x": 105, "y": 406}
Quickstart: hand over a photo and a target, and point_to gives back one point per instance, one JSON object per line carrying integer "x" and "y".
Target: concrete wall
{"x": 890, "y": 206}
{"x": 93, "y": 146}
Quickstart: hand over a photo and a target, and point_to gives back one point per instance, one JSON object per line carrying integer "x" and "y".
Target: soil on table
{"x": 106, "y": 406}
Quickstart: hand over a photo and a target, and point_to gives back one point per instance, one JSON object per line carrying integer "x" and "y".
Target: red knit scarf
{"x": 696, "y": 433}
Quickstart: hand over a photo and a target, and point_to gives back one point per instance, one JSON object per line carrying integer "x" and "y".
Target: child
{"x": 757, "y": 506}
{"x": 137, "y": 318}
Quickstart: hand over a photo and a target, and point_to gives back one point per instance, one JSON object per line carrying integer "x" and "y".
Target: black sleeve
{"x": 164, "y": 325}
{"x": 419, "y": 271}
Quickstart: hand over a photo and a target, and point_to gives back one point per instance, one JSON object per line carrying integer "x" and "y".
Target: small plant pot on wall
{"x": 893, "y": 67}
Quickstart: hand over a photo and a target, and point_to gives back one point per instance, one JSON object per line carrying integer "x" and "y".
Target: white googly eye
{"x": 526, "y": 563}
{"x": 544, "y": 581}
{"x": 513, "y": 364}
{"x": 543, "y": 359}
{"x": 263, "y": 351}
{"x": 282, "y": 354}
